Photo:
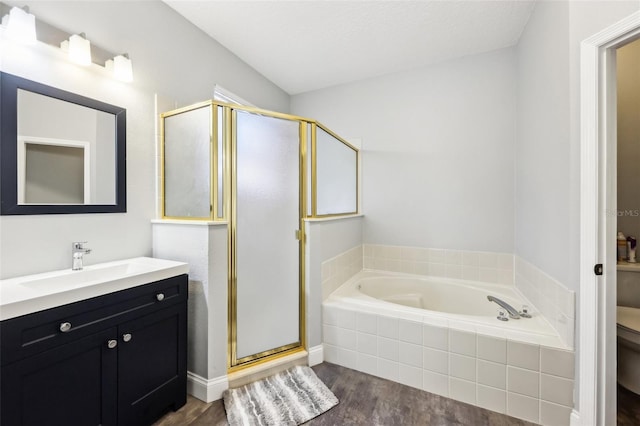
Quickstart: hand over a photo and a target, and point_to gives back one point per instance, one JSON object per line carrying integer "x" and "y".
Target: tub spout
{"x": 513, "y": 314}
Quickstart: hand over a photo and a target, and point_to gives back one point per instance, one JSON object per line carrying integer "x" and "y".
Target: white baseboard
{"x": 207, "y": 390}
{"x": 574, "y": 419}
{"x": 316, "y": 355}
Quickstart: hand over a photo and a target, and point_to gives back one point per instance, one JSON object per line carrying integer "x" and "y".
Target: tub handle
{"x": 502, "y": 315}
{"x": 524, "y": 313}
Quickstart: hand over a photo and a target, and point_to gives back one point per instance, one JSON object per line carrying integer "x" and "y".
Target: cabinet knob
{"x": 65, "y": 327}
{"x": 126, "y": 337}
{"x": 112, "y": 343}
{"x": 160, "y": 297}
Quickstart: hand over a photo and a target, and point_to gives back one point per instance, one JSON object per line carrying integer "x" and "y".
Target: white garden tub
{"x": 445, "y": 302}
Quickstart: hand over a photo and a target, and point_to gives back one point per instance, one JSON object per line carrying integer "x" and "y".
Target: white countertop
{"x": 33, "y": 293}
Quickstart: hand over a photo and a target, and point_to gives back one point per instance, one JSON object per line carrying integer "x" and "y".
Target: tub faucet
{"x": 78, "y": 251}
{"x": 513, "y": 314}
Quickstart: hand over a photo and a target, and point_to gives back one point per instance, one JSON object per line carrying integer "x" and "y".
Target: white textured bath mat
{"x": 291, "y": 397}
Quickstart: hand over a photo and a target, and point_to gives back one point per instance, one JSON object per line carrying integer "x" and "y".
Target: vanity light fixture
{"x": 78, "y": 48}
{"x": 20, "y": 25}
{"x": 121, "y": 67}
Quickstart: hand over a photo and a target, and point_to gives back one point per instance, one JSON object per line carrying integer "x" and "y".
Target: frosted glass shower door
{"x": 266, "y": 215}
{"x": 187, "y": 164}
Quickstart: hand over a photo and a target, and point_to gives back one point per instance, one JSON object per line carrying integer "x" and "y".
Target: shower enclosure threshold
{"x": 268, "y": 368}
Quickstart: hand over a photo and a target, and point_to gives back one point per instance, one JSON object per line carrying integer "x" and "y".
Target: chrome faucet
{"x": 78, "y": 251}
{"x": 513, "y": 314}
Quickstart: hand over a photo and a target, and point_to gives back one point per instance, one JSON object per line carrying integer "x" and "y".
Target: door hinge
{"x": 298, "y": 234}
{"x": 598, "y": 269}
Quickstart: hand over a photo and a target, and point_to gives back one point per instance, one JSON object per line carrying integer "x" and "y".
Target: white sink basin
{"x": 32, "y": 293}
{"x": 72, "y": 279}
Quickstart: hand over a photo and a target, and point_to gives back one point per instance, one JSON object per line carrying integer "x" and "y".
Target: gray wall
{"x": 543, "y": 166}
{"x": 172, "y": 59}
{"x": 438, "y": 151}
{"x": 204, "y": 247}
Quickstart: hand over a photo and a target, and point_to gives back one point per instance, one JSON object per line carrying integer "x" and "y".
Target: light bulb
{"x": 122, "y": 69}
{"x": 78, "y": 48}
{"x": 21, "y": 26}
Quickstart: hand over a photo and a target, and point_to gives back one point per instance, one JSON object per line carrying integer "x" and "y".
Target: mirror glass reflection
{"x": 66, "y": 153}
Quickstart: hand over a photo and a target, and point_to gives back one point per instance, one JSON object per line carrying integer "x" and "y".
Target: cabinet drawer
{"x": 29, "y": 334}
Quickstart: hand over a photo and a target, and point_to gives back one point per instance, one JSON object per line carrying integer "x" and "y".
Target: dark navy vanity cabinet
{"x": 116, "y": 359}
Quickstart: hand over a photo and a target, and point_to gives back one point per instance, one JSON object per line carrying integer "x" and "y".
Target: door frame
{"x": 598, "y": 185}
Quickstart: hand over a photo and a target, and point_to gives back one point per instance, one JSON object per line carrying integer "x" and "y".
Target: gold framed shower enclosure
{"x": 219, "y": 134}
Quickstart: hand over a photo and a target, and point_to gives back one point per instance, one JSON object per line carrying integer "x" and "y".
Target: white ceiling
{"x": 304, "y": 45}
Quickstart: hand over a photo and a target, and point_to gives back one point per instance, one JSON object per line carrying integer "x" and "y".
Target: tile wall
{"x": 531, "y": 382}
{"x": 467, "y": 265}
{"x": 337, "y": 270}
{"x": 549, "y": 296}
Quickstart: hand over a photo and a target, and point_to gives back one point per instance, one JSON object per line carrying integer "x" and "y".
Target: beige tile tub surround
{"x": 549, "y": 296}
{"x": 337, "y": 270}
{"x": 527, "y": 381}
{"x": 468, "y": 265}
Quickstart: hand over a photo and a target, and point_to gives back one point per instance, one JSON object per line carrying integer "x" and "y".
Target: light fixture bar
{"x": 53, "y": 36}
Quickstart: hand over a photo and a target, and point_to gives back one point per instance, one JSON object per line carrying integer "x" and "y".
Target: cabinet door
{"x": 152, "y": 367}
{"x": 73, "y": 384}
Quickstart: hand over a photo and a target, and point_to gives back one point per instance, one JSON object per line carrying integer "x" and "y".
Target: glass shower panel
{"x": 266, "y": 214}
{"x": 337, "y": 175}
{"x": 187, "y": 179}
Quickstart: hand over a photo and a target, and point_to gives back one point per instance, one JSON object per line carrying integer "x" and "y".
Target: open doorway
{"x": 598, "y": 249}
{"x": 628, "y": 226}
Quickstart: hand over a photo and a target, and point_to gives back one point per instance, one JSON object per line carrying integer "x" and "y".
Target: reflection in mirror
{"x": 336, "y": 175}
{"x": 52, "y": 174}
{"x": 64, "y": 149}
{"x": 59, "y": 152}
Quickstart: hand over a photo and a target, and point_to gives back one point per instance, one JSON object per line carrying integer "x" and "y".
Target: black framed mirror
{"x": 59, "y": 152}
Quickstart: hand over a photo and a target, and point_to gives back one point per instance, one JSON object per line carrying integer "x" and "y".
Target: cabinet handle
{"x": 112, "y": 343}
{"x": 126, "y": 337}
{"x": 65, "y": 327}
{"x": 160, "y": 297}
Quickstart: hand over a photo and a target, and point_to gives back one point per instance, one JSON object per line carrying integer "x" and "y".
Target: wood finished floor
{"x": 628, "y": 407}
{"x": 364, "y": 400}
